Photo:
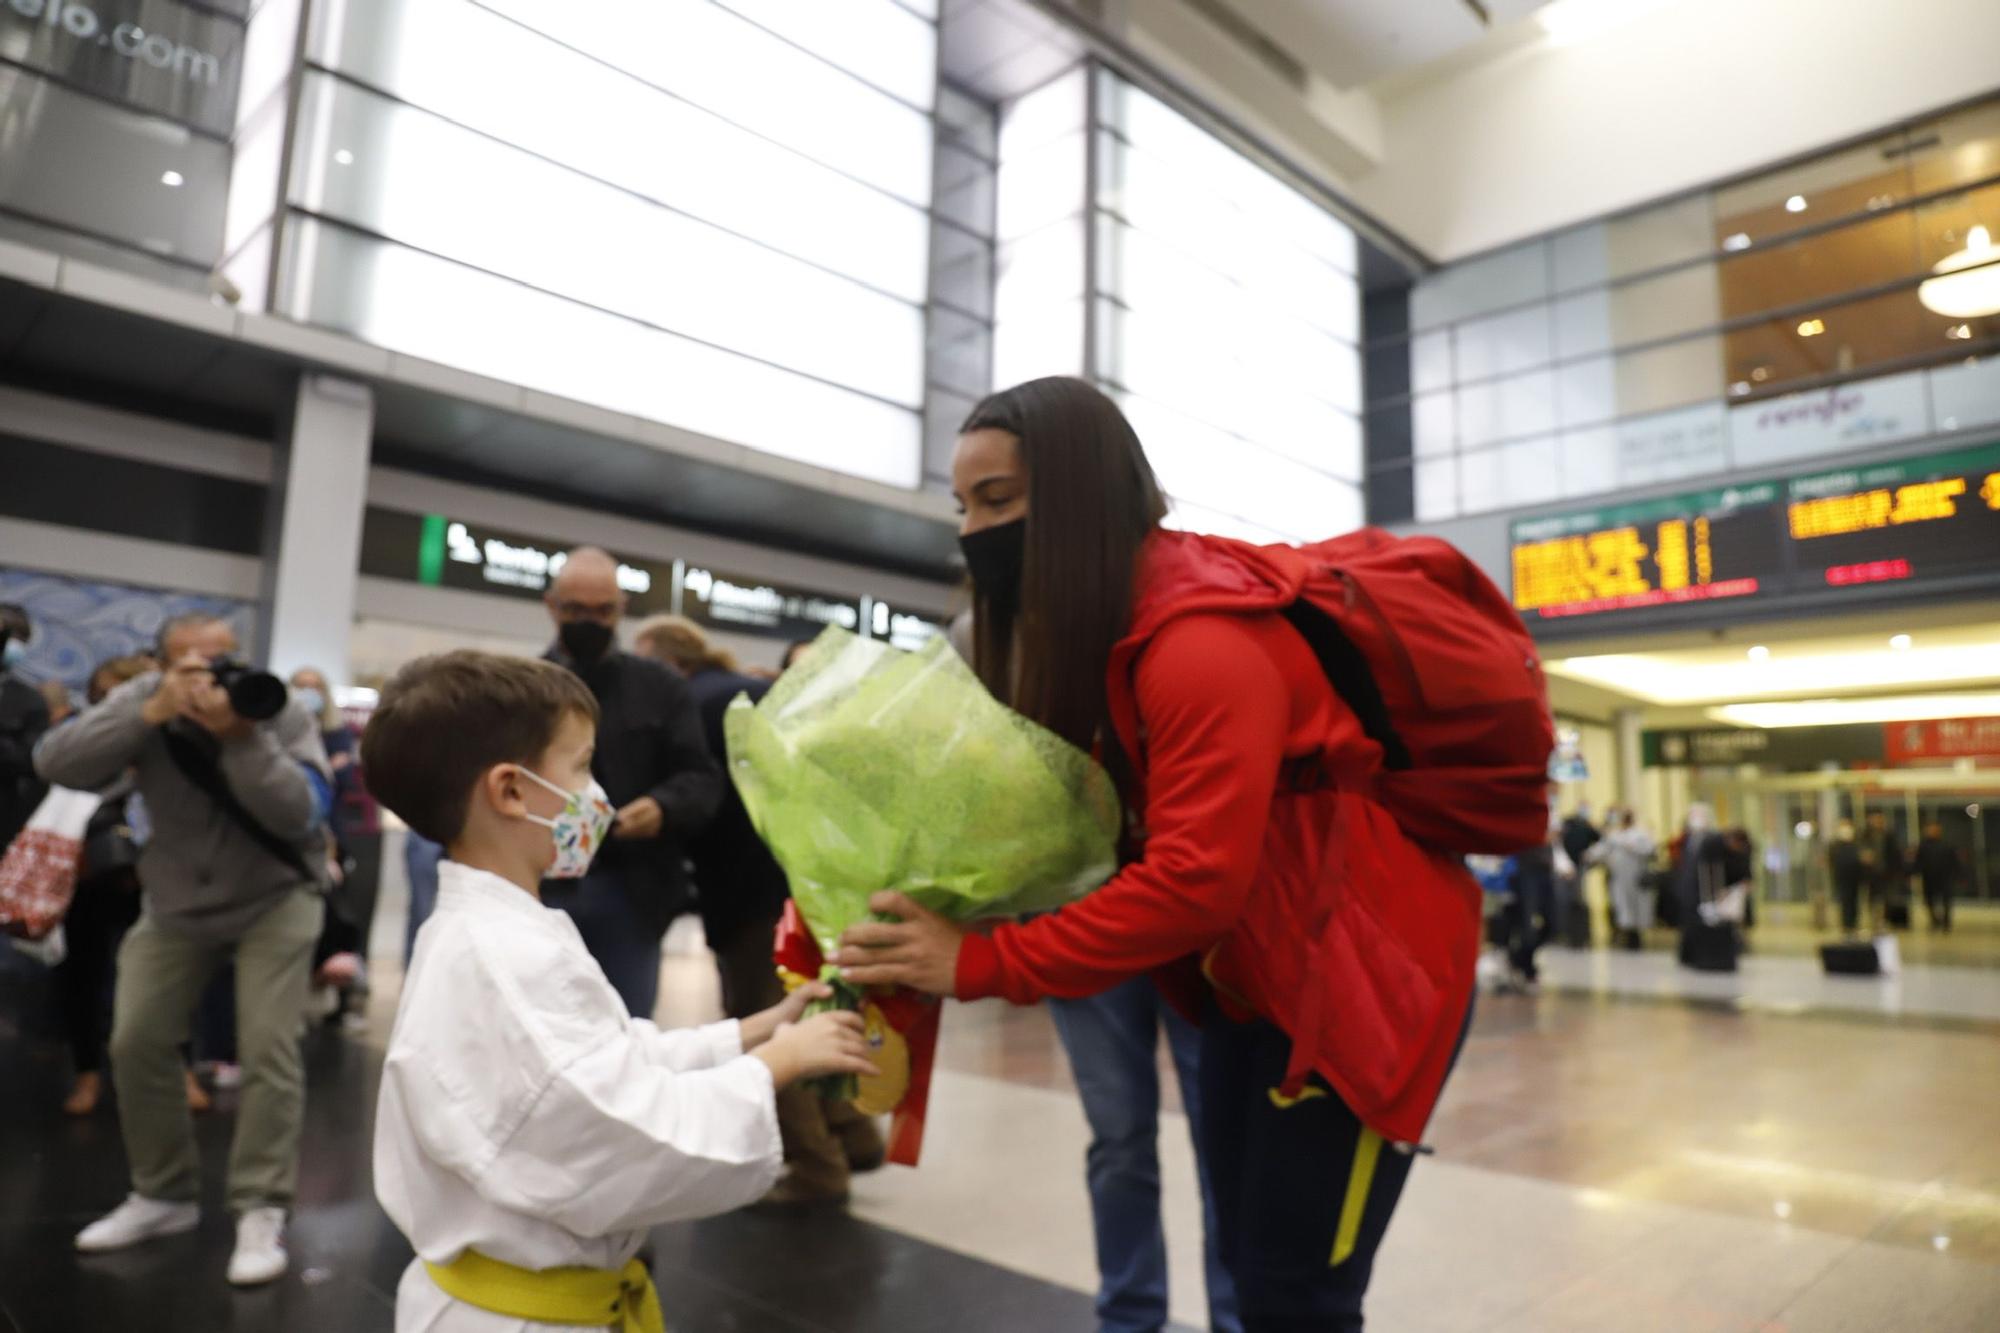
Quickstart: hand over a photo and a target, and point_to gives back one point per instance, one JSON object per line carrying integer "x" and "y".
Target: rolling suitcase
{"x": 1851, "y": 958}
{"x": 1709, "y": 948}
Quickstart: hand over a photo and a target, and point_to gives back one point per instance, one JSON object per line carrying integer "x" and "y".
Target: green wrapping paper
{"x": 868, "y": 768}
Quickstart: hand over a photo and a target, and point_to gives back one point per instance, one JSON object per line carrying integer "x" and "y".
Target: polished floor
{"x": 1634, "y": 1149}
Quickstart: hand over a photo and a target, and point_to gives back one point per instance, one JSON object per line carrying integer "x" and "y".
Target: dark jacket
{"x": 1579, "y": 835}
{"x": 739, "y": 885}
{"x": 24, "y": 716}
{"x": 649, "y": 743}
{"x": 1938, "y": 862}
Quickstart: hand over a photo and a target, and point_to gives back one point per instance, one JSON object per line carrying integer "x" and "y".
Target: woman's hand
{"x": 919, "y": 951}
{"x": 760, "y": 1027}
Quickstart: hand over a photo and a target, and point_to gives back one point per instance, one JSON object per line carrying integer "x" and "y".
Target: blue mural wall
{"x": 79, "y": 624}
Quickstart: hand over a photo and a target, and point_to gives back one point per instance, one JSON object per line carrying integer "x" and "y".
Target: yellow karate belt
{"x": 624, "y": 1299}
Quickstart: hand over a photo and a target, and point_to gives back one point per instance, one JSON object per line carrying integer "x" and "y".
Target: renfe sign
{"x": 161, "y": 56}
{"x": 1926, "y": 518}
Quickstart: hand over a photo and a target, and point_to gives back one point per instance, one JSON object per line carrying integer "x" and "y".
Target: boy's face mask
{"x": 579, "y": 827}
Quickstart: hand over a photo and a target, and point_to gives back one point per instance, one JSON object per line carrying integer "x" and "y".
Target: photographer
{"x": 232, "y": 871}
{"x": 23, "y": 719}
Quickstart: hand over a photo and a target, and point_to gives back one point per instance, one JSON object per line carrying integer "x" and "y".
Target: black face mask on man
{"x": 995, "y": 557}
{"x": 585, "y": 640}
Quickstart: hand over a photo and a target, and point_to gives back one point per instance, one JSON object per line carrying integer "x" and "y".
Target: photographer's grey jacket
{"x": 202, "y": 874}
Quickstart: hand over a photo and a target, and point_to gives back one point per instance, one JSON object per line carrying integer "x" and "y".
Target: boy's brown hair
{"x": 445, "y": 720}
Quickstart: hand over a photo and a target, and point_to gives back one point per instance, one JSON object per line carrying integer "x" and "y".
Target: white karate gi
{"x": 523, "y": 1114}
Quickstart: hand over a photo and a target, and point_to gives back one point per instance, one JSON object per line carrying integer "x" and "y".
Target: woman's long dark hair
{"x": 1092, "y": 502}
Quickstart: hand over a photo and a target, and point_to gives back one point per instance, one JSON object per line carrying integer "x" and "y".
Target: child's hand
{"x": 834, "y": 1042}
{"x": 758, "y": 1028}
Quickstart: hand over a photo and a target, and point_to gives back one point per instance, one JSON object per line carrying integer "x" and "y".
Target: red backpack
{"x": 1444, "y": 677}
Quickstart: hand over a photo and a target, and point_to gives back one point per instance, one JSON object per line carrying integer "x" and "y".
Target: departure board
{"x": 1931, "y": 517}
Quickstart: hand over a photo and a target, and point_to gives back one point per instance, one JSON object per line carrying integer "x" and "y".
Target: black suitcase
{"x": 1897, "y": 914}
{"x": 1851, "y": 958}
{"x": 1575, "y": 930}
{"x": 1707, "y": 948}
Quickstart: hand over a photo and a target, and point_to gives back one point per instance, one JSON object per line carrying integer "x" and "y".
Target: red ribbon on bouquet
{"x": 902, "y": 1039}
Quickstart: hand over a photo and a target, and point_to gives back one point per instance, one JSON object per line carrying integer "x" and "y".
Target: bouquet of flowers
{"x": 869, "y": 768}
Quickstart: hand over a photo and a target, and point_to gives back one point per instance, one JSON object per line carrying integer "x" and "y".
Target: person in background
{"x": 105, "y": 906}
{"x": 652, "y": 760}
{"x": 1939, "y": 866}
{"x": 741, "y": 892}
{"x": 1845, "y": 866}
{"x": 1534, "y": 917}
{"x": 61, "y": 703}
{"x": 232, "y": 870}
{"x": 1888, "y": 875}
{"x": 793, "y": 652}
{"x": 339, "y": 969}
{"x": 1627, "y": 853}
{"x": 24, "y": 717}
{"x": 420, "y": 863}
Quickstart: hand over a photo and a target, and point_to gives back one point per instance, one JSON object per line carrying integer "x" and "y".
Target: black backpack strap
{"x": 1347, "y": 671}
{"x": 197, "y": 764}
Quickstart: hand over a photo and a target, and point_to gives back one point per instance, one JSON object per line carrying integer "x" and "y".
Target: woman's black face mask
{"x": 994, "y": 557}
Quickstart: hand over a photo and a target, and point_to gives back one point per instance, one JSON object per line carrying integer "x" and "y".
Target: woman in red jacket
{"x": 1168, "y": 653}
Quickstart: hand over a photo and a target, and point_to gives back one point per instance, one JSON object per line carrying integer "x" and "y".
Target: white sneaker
{"x": 137, "y": 1219}
{"x": 260, "y": 1247}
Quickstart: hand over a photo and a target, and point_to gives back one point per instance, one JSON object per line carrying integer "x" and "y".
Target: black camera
{"x": 256, "y": 695}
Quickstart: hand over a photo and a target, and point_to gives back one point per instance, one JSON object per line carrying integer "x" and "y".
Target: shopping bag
{"x": 38, "y": 874}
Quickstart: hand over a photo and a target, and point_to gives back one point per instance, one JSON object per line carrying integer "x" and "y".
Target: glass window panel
{"x": 1053, "y": 111}
{"x": 1039, "y": 340}
{"x": 1039, "y": 270}
{"x": 965, "y": 190}
{"x": 249, "y": 270}
{"x": 1681, "y": 301}
{"x": 1966, "y": 393}
{"x": 621, "y": 128}
{"x": 1844, "y": 338}
{"x": 1653, "y": 238}
{"x": 1944, "y": 226}
{"x": 259, "y": 154}
{"x": 270, "y": 47}
{"x": 944, "y": 413}
{"x": 1480, "y": 286}
{"x": 1957, "y": 149}
{"x": 1437, "y": 489}
{"x": 1855, "y": 415}
{"x": 1232, "y": 476}
{"x": 1863, "y": 179}
{"x": 1583, "y": 323}
{"x": 1479, "y": 482}
{"x": 968, "y": 122}
{"x": 1530, "y": 472}
{"x": 160, "y": 57}
{"x": 1185, "y": 517}
{"x": 1581, "y": 257}
{"x": 876, "y": 40}
{"x": 124, "y": 193}
{"x": 1430, "y": 361}
{"x": 437, "y": 187}
{"x": 1434, "y": 423}
{"x": 962, "y": 271}
{"x": 1505, "y": 409}
{"x": 429, "y": 307}
{"x": 1820, "y": 266}
{"x": 1040, "y": 186}
{"x": 1231, "y": 320}
{"x": 1688, "y": 442}
{"x": 1669, "y": 375}
{"x": 959, "y": 352}
{"x": 1503, "y": 344}
{"x": 720, "y": 61}
{"x": 1586, "y": 391}
{"x": 1589, "y": 461}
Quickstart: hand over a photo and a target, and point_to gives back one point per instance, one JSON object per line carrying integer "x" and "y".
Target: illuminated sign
{"x": 1919, "y": 519}
{"x": 755, "y": 606}
{"x": 447, "y": 552}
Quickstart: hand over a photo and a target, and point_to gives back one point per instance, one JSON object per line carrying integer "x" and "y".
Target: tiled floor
{"x": 1636, "y": 1149}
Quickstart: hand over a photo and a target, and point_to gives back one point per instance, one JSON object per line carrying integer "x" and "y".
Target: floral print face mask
{"x": 579, "y": 828}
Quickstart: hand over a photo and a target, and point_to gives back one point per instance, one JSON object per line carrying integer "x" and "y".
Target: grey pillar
{"x": 313, "y": 542}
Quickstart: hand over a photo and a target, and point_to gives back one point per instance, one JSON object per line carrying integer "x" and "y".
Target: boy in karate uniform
{"x": 529, "y": 1131}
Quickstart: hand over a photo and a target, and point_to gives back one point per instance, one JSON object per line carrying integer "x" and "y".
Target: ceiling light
{"x": 1570, "y": 21}
{"x": 172, "y": 178}
{"x": 344, "y": 158}
{"x": 1782, "y": 1209}
{"x": 1811, "y": 328}
{"x": 1901, "y": 642}
{"x": 1740, "y": 388}
{"x": 1940, "y": 1243}
{"x": 1961, "y": 332}
{"x": 1703, "y": 677}
{"x": 1761, "y": 373}
{"x": 1760, "y": 654}
{"x": 1803, "y": 830}
{"x": 1968, "y": 285}
{"x": 1846, "y": 712}
{"x": 1736, "y": 241}
{"x": 1796, "y": 204}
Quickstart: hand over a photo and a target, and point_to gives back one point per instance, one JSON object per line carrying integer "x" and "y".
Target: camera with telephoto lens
{"x": 256, "y": 695}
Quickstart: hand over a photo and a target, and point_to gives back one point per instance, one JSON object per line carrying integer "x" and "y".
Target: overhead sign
{"x": 1924, "y": 518}
{"x": 1943, "y": 739}
{"x": 750, "y": 605}
{"x": 1785, "y": 747}
{"x": 160, "y": 56}
{"x": 453, "y": 553}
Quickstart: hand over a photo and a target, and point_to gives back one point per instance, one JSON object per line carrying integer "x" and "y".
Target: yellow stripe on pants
{"x": 624, "y": 1299}
{"x": 1360, "y": 1181}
